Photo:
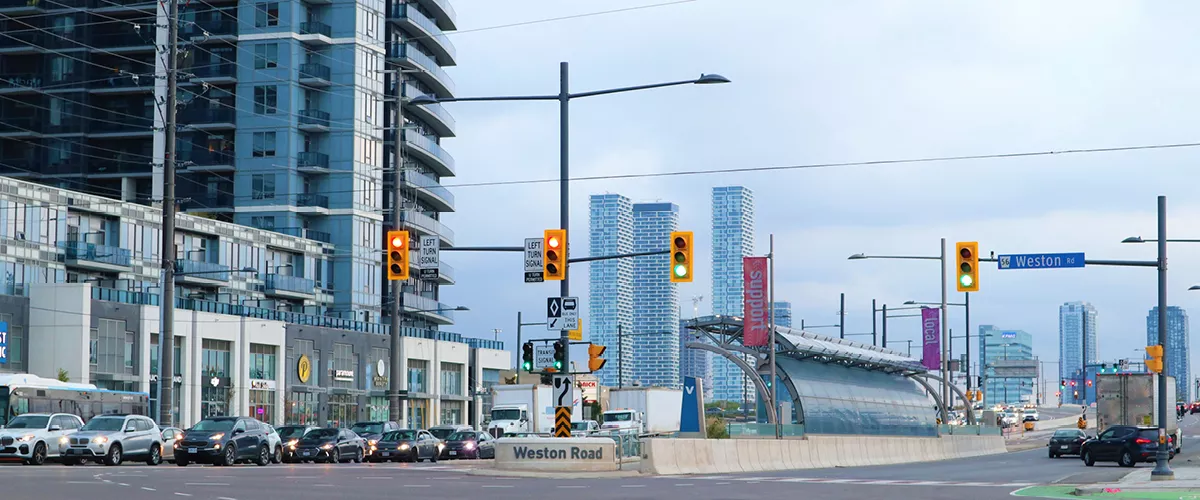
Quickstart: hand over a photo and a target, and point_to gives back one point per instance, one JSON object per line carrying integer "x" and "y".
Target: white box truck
{"x": 1131, "y": 399}
{"x": 649, "y": 410}
{"x": 525, "y": 408}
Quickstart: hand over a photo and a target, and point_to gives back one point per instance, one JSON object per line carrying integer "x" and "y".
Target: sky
{"x": 833, "y": 82}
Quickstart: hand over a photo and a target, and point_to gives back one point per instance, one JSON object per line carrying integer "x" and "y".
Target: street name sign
{"x": 1040, "y": 260}
{"x": 534, "y": 257}
{"x": 429, "y": 259}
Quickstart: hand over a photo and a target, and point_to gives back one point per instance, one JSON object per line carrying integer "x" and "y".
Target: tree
{"x": 716, "y": 428}
{"x": 63, "y": 376}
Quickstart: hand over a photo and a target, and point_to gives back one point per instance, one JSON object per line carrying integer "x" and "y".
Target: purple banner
{"x": 931, "y": 337}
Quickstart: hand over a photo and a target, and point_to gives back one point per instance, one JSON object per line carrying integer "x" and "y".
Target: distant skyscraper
{"x": 1005, "y": 344}
{"x": 655, "y": 300}
{"x": 1073, "y": 319}
{"x": 1176, "y": 349}
{"x": 695, "y": 362}
{"x": 783, "y": 313}
{"x": 610, "y": 297}
{"x": 732, "y": 239}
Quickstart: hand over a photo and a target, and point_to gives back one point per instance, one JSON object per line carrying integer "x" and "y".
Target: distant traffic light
{"x": 595, "y": 362}
{"x": 681, "y": 257}
{"x": 397, "y": 256}
{"x": 1155, "y": 363}
{"x": 1089, "y": 382}
{"x": 554, "y": 260}
{"x": 527, "y": 357}
{"x": 968, "y": 266}
{"x": 1072, "y": 383}
{"x": 560, "y": 354}
{"x": 1063, "y": 384}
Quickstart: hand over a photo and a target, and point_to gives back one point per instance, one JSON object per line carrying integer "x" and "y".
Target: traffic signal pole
{"x": 1162, "y": 468}
{"x": 564, "y": 189}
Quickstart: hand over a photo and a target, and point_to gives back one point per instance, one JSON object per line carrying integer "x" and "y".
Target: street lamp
{"x": 564, "y": 98}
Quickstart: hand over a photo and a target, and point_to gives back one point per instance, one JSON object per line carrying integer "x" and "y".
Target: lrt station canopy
{"x": 835, "y": 386}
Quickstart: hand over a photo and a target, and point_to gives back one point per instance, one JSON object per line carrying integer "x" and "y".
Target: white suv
{"x": 113, "y": 438}
{"x": 34, "y": 437}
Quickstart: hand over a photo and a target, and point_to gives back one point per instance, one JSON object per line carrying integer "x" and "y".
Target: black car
{"x": 406, "y": 445}
{"x": 1124, "y": 444}
{"x": 470, "y": 444}
{"x": 332, "y": 445}
{"x": 224, "y": 441}
{"x": 372, "y": 431}
{"x": 290, "y": 436}
{"x": 1066, "y": 442}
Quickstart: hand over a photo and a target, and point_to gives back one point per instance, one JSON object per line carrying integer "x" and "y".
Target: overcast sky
{"x": 846, "y": 81}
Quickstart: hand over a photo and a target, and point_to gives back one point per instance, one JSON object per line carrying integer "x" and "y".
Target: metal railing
{"x": 78, "y": 250}
{"x": 301, "y": 232}
{"x": 210, "y": 270}
{"x": 759, "y": 430}
{"x": 315, "y": 70}
{"x": 423, "y": 181}
{"x": 312, "y": 200}
{"x": 314, "y": 117}
{"x": 297, "y": 284}
{"x": 428, "y": 145}
{"x": 312, "y": 159}
{"x": 315, "y": 28}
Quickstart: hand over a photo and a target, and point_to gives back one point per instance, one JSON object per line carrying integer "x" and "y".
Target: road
{"x": 985, "y": 478}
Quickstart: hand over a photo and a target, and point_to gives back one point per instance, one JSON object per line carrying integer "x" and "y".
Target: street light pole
{"x": 945, "y": 365}
{"x": 1162, "y": 468}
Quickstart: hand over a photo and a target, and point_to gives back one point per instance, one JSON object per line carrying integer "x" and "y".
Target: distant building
{"x": 1076, "y": 322}
{"x": 996, "y": 344}
{"x": 732, "y": 239}
{"x": 783, "y": 313}
{"x": 1176, "y": 351}
{"x": 610, "y": 285}
{"x": 695, "y": 362}
{"x": 655, "y": 299}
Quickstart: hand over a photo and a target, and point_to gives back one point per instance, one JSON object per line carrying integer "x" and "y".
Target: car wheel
{"x": 1087, "y": 459}
{"x": 114, "y": 455}
{"x": 433, "y": 457}
{"x": 264, "y": 456}
{"x": 358, "y": 456}
{"x": 1126, "y": 459}
{"x": 39, "y": 455}
{"x": 182, "y": 462}
{"x": 277, "y": 457}
{"x": 229, "y": 457}
{"x": 1052, "y": 455}
{"x": 155, "y": 457}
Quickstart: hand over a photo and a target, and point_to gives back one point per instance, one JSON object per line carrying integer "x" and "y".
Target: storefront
{"x": 303, "y": 408}
{"x": 262, "y": 399}
{"x": 343, "y": 410}
{"x": 418, "y": 414}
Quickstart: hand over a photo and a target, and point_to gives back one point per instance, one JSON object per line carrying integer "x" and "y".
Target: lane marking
{"x": 183, "y": 494}
{"x": 497, "y": 486}
{"x": 206, "y": 484}
{"x": 722, "y": 483}
{"x": 148, "y": 489}
{"x": 80, "y": 482}
{"x": 225, "y": 498}
{"x": 416, "y": 486}
{"x": 123, "y": 484}
{"x": 685, "y": 484}
{"x": 633, "y": 486}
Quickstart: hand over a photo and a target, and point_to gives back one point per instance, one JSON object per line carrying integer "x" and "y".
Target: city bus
{"x": 23, "y": 393}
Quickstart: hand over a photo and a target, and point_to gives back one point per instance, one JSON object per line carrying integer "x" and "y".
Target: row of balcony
{"x": 10, "y": 7}
{"x": 421, "y": 26}
{"x": 434, "y": 114}
{"x": 427, "y": 225}
{"x": 117, "y": 125}
{"x": 431, "y": 73}
{"x": 429, "y": 152}
{"x": 97, "y": 81}
{"x": 431, "y": 190}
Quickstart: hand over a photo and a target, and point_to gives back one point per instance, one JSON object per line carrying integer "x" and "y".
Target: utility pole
{"x": 874, "y": 340}
{"x": 771, "y": 321}
{"x": 397, "y": 381}
{"x": 166, "y": 337}
{"x": 564, "y": 189}
{"x": 841, "y": 312}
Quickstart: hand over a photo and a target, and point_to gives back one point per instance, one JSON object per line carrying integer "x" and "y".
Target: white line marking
{"x": 926, "y": 483}
{"x": 572, "y": 486}
{"x": 685, "y": 484}
{"x": 183, "y": 494}
{"x": 497, "y": 486}
{"x": 225, "y": 498}
{"x": 105, "y": 480}
{"x": 81, "y": 482}
{"x": 148, "y": 489}
{"x": 416, "y": 485}
{"x": 633, "y": 486}
{"x": 206, "y": 484}
{"x": 722, "y": 483}
{"x": 123, "y": 484}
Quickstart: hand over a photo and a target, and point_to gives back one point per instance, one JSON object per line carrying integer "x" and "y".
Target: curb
{"x": 553, "y": 475}
{"x": 1144, "y": 488}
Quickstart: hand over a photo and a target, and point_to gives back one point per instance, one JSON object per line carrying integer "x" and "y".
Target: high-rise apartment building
{"x": 1000, "y": 344}
{"x": 732, "y": 239}
{"x": 782, "y": 313}
{"x": 1176, "y": 351}
{"x": 285, "y": 118}
{"x": 610, "y": 285}
{"x": 1076, "y": 324}
{"x": 695, "y": 362}
{"x": 655, "y": 299}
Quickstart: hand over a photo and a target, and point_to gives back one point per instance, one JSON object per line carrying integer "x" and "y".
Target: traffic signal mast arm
{"x": 569, "y": 261}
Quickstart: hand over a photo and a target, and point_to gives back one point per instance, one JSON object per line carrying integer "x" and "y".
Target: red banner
{"x": 755, "y": 307}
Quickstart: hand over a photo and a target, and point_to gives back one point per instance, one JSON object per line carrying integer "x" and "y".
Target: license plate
{"x": 307, "y": 453}
{"x": 191, "y": 450}
{"x": 1064, "y": 447}
{"x": 452, "y": 453}
{"x": 387, "y": 453}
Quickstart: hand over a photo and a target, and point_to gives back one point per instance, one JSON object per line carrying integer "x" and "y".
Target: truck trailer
{"x": 649, "y": 410}
{"x": 1132, "y": 399}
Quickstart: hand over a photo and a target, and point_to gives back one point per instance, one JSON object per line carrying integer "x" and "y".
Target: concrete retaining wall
{"x": 708, "y": 456}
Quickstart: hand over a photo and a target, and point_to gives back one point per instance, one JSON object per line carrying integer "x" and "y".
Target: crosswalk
{"x": 877, "y": 482}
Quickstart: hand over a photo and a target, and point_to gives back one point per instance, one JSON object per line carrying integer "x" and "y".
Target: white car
{"x": 275, "y": 443}
{"x": 34, "y": 437}
{"x": 169, "y": 436}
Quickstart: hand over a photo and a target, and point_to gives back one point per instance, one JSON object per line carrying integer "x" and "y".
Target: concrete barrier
{"x": 573, "y": 455}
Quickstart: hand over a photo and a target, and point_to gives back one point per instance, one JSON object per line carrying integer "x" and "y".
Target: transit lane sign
{"x": 1040, "y": 260}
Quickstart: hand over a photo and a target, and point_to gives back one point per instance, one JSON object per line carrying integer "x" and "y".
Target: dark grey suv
{"x": 224, "y": 441}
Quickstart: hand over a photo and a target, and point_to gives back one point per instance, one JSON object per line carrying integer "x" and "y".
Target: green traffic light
{"x": 680, "y": 270}
{"x": 966, "y": 280}
{"x": 558, "y": 365}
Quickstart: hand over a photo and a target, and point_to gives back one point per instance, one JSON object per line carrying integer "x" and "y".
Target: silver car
{"x": 113, "y": 438}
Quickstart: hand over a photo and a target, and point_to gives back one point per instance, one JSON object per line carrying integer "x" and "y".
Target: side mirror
{"x": 238, "y": 431}
{"x": 130, "y": 429}
{"x": 54, "y": 428}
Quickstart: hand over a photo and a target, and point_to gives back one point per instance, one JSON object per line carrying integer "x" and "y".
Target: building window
{"x": 452, "y": 379}
{"x": 262, "y": 186}
{"x": 214, "y": 359}
{"x": 301, "y": 409}
{"x": 452, "y": 413}
{"x": 264, "y": 144}
{"x": 111, "y": 348}
{"x": 266, "y": 55}
{"x": 262, "y": 361}
{"x": 418, "y": 412}
{"x": 377, "y": 408}
{"x": 266, "y": 99}
{"x": 416, "y": 376}
{"x": 262, "y": 405}
{"x": 266, "y": 14}
{"x": 263, "y": 221}
{"x": 342, "y": 410}
{"x": 214, "y": 401}
{"x": 490, "y": 378}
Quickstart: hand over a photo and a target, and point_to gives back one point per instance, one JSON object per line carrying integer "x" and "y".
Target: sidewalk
{"x": 1187, "y": 480}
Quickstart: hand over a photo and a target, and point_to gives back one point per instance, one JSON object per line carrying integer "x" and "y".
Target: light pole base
{"x": 1162, "y": 472}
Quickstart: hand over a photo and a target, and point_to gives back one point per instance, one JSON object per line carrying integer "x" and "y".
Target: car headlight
{"x": 403, "y": 446}
{"x": 327, "y": 446}
{"x": 371, "y": 442}
{"x": 292, "y": 443}
{"x": 178, "y": 437}
{"x": 100, "y": 440}
{"x": 25, "y": 438}
{"x": 64, "y": 440}
{"x": 217, "y": 436}
{"x": 470, "y": 445}
{"x": 441, "y": 446}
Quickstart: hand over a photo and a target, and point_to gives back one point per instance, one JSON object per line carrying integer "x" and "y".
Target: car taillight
{"x": 1142, "y": 441}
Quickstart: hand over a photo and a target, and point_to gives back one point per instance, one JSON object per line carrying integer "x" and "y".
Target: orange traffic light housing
{"x": 1155, "y": 362}
{"x": 554, "y": 258}
{"x": 595, "y": 362}
{"x": 681, "y": 257}
{"x": 967, "y": 270}
{"x": 397, "y": 255}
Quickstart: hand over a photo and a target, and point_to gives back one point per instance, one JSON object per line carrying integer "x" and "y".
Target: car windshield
{"x": 214, "y": 425}
{"x": 29, "y": 422}
{"x": 579, "y": 426}
{"x": 618, "y": 417}
{"x": 513, "y": 414}
{"x": 462, "y": 436}
{"x": 103, "y": 424}
{"x": 291, "y": 431}
{"x": 441, "y": 433}
{"x": 1060, "y": 434}
{"x": 321, "y": 434}
{"x": 367, "y": 428}
{"x": 400, "y": 436}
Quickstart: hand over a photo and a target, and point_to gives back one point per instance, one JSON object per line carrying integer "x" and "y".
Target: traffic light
{"x": 554, "y": 260}
{"x": 1155, "y": 363}
{"x": 1089, "y": 382}
{"x": 968, "y": 266}
{"x": 681, "y": 257}
{"x": 527, "y": 357}
{"x": 1063, "y": 384}
{"x": 595, "y": 362}
{"x": 560, "y": 354}
{"x": 397, "y": 256}
{"x": 1072, "y": 383}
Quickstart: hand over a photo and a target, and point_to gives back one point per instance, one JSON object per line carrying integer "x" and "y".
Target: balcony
{"x": 11, "y": 83}
{"x": 430, "y": 190}
{"x": 425, "y": 224}
{"x": 18, "y": 7}
{"x": 428, "y": 308}
{"x": 93, "y": 257}
{"x": 27, "y": 41}
{"x": 119, "y": 168}
{"x": 223, "y": 29}
{"x": 315, "y": 32}
{"x": 291, "y": 287}
{"x": 434, "y": 114}
{"x": 314, "y": 120}
{"x": 210, "y": 274}
{"x": 215, "y": 73}
{"x": 300, "y": 232}
{"x": 207, "y": 202}
{"x": 312, "y": 203}
{"x": 21, "y": 126}
{"x": 203, "y": 160}
{"x": 421, "y": 26}
{"x": 447, "y": 19}
{"x": 126, "y": 40}
{"x": 429, "y": 152}
{"x": 107, "y": 82}
{"x": 124, "y": 296}
{"x": 312, "y": 162}
{"x": 111, "y": 6}
{"x": 118, "y": 126}
{"x": 208, "y": 118}
{"x": 430, "y": 72}
{"x": 315, "y": 75}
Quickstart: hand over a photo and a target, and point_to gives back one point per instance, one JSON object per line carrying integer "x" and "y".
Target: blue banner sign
{"x": 3, "y": 342}
{"x": 1040, "y": 260}
{"x": 691, "y": 415}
